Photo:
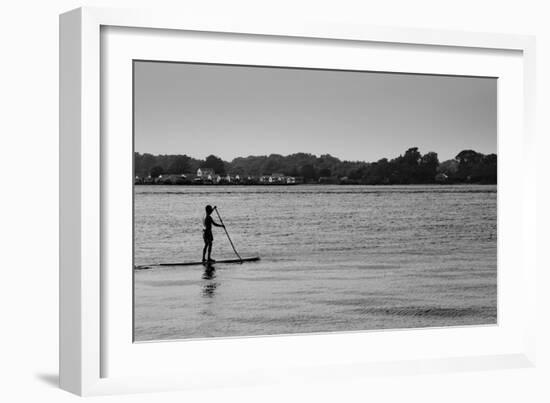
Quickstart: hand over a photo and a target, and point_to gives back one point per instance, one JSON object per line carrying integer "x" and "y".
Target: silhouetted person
{"x": 207, "y": 223}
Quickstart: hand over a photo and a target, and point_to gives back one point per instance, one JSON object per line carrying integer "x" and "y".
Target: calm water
{"x": 334, "y": 258}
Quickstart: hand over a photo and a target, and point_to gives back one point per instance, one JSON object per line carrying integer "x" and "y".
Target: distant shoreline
{"x": 412, "y": 167}
{"x": 311, "y": 184}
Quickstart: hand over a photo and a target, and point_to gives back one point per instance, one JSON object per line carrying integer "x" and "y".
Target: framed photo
{"x": 249, "y": 202}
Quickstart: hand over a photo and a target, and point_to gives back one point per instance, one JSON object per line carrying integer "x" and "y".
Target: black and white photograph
{"x": 280, "y": 200}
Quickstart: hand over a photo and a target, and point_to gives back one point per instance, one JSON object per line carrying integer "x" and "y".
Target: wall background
{"x": 29, "y": 201}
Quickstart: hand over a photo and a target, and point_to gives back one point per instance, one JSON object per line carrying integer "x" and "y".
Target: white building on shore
{"x": 277, "y": 178}
{"x": 205, "y": 173}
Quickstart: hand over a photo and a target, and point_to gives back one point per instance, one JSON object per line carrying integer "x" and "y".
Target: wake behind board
{"x": 243, "y": 260}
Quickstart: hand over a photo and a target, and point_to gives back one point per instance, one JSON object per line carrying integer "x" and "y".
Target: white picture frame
{"x": 96, "y": 354}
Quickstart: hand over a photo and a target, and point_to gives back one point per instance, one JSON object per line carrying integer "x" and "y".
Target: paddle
{"x": 227, "y": 233}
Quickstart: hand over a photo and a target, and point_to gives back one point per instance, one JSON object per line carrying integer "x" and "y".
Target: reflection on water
{"x": 209, "y": 286}
{"x": 334, "y": 258}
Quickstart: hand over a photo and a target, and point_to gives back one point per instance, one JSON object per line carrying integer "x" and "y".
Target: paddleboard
{"x": 243, "y": 260}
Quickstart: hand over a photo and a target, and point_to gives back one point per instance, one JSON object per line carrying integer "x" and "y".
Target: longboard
{"x": 244, "y": 259}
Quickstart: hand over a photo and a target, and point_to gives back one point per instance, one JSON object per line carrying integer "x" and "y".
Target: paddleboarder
{"x": 207, "y": 236}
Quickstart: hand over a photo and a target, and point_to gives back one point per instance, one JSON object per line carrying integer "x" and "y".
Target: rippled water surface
{"x": 333, "y": 258}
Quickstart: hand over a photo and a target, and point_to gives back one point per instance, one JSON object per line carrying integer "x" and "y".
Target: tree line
{"x": 412, "y": 167}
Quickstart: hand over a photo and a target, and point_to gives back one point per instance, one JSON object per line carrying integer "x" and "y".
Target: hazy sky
{"x": 233, "y": 111}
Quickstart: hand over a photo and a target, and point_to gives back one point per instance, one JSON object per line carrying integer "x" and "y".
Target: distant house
{"x": 277, "y": 177}
{"x": 273, "y": 178}
{"x": 441, "y": 177}
{"x": 172, "y": 179}
{"x": 205, "y": 173}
